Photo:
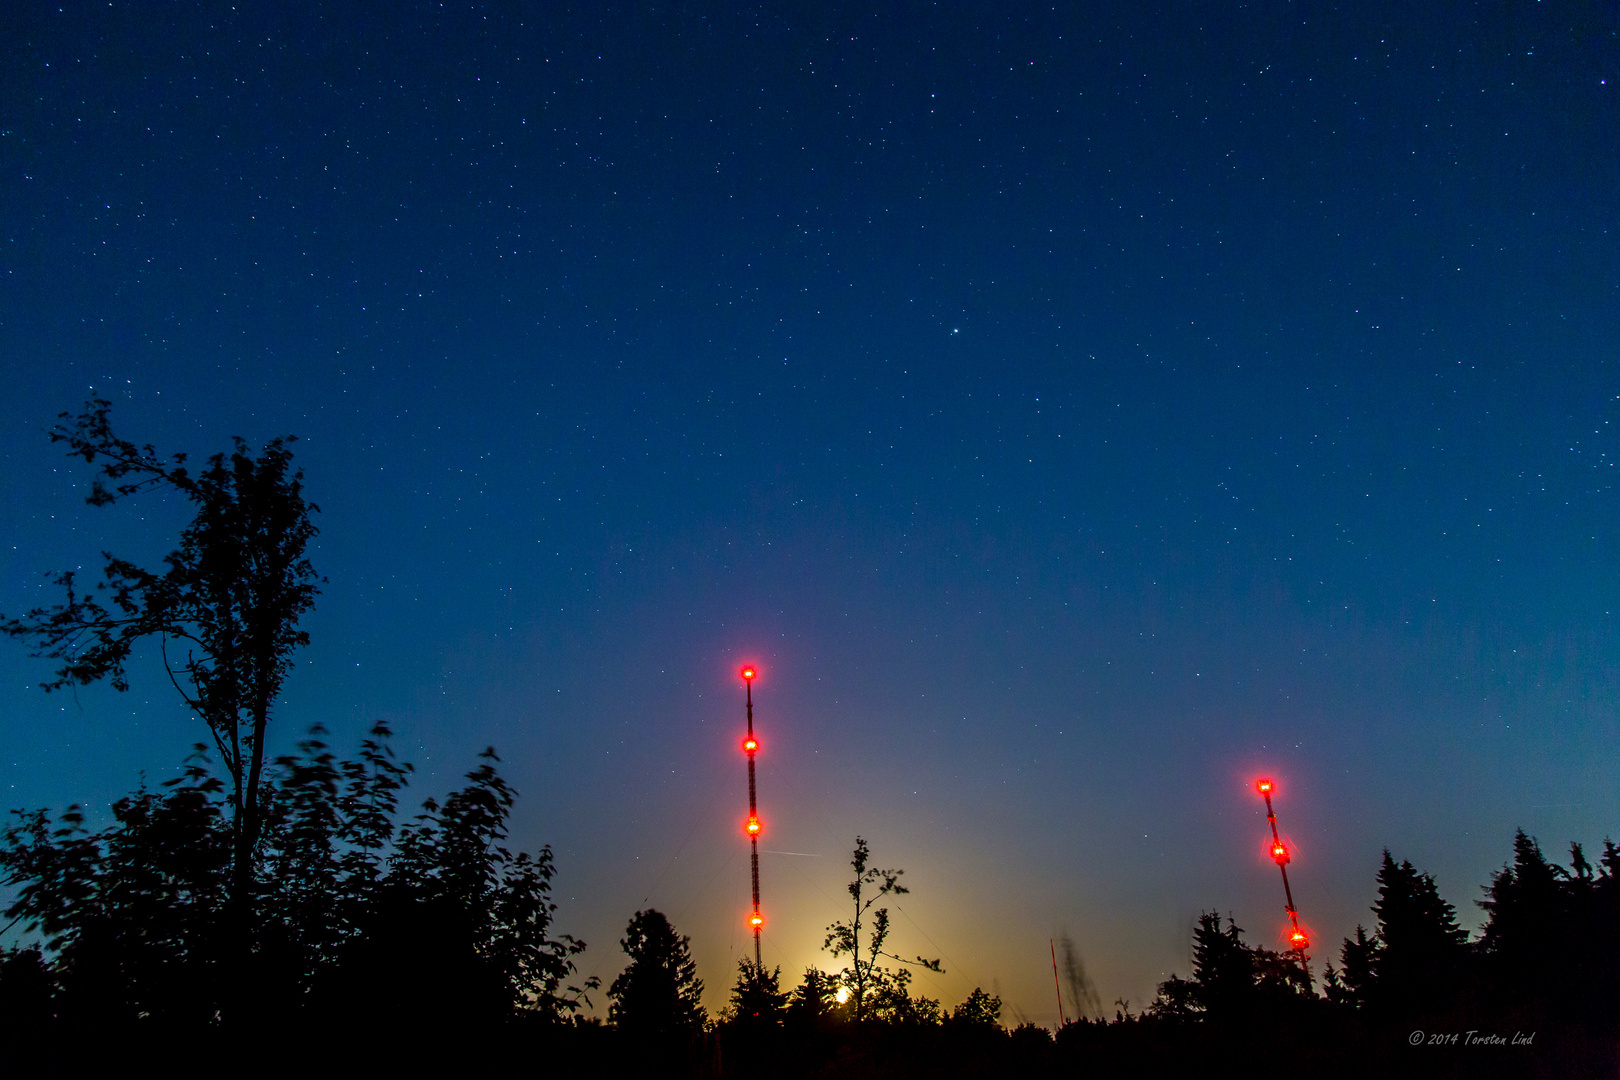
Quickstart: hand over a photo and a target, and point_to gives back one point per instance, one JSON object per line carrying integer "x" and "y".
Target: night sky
{"x": 1076, "y": 414}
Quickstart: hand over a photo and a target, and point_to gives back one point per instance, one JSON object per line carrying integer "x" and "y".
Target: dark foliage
{"x": 225, "y": 611}
{"x": 813, "y": 1000}
{"x": 353, "y": 916}
{"x": 1545, "y": 963}
{"x": 1415, "y": 957}
{"x": 979, "y": 1010}
{"x": 757, "y": 1000}
{"x": 436, "y": 925}
{"x": 1231, "y": 981}
{"x": 658, "y": 997}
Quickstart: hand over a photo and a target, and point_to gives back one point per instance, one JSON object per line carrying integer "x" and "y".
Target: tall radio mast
{"x": 750, "y": 747}
{"x": 1297, "y": 939}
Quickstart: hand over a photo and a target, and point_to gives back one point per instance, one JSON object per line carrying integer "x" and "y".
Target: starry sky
{"x": 1075, "y": 412}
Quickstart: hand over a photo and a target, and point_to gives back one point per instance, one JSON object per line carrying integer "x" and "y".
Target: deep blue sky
{"x": 1074, "y": 412}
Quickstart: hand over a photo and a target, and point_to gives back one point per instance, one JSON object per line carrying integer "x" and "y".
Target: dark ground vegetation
{"x": 426, "y": 941}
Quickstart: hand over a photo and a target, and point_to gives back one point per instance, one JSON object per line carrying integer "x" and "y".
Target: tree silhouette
{"x": 1230, "y": 979}
{"x": 1592, "y": 903}
{"x": 1525, "y": 945}
{"x": 757, "y": 1000}
{"x": 868, "y": 981}
{"x": 225, "y": 612}
{"x": 1223, "y": 967}
{"x": 1353, "y": 983}
{"x": 354, "y": 918}
{"x": 299, "y": 928}
{"x": 1415, "y": 955}
{"x": 133, "y": 914}
{"x": 457, "y": 909}
{"x": 978, "y": 1010}
{"x": 658, "y": 996}
{"x": 813, "y": 1000}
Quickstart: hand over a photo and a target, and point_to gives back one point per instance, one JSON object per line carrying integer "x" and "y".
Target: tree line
{"x": 1536, "y": 992}
{"x": 364, "y": 918}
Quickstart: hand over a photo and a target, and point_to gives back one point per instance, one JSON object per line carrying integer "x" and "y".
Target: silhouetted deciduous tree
{"x": 354, "y": 919}
{"x": 871, "y": 983}
{"x": 132, "y": 915}
{"x": 457, "y": 908}
{"x": 225, "y": 611}
{"x": 978, "y": 1010}
{"x": 658, "y": 996}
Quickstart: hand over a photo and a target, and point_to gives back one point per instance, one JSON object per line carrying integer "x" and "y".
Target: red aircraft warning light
{"x": 750, "y": 744}
{"x": 748, "y": 673}
{"x": 756, "y": 920}
{"x": 753, "y": 827}
{"x": 1263, "y": 786}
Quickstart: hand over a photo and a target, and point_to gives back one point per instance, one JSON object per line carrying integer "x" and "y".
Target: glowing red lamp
{"x": 1298, "y": 939}
{"x": 1263, "y": 786}
{"x": 756, "y": 920}
{"x": 748, "y": 673}
{"x": 753, "y": 827}
{"x": 750, "y": 744}
{"x": 1279, "y": 853}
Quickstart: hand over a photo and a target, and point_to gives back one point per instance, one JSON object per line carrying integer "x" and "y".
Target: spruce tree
{"x": 658, "y": 995}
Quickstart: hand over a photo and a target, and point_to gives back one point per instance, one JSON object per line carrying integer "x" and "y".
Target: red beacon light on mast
{"x": 748, "y": 673}
{"x": 750, "y": 744}
{"x": 1263, "y": 786}
{"x": 753, "y": 828}
{"x": 756, "y": 920}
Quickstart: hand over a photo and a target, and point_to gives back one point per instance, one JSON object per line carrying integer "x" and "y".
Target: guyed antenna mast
{"x": 1297, "y": 940}
{"x": 750, "y": 747}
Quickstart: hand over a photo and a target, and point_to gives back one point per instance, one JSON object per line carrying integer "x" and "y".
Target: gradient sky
{"x": 1075, "y": 412}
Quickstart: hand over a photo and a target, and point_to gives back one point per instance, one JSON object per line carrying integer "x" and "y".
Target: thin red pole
{"x": 1062, "y": 1021}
